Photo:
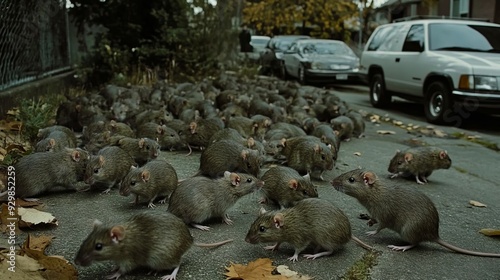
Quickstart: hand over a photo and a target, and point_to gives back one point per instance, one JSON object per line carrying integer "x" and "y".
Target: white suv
{"x": 452, "y": 66}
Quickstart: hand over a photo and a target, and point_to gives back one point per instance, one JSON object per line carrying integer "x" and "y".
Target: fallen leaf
{"x": 357, "y": 154}
{"x": 400, "y": 123}
{"x": 24, "y": 203}
{"x": 259, "y": 269}
{"x": 385, "y": 132}
{"x": 290, "y": 274}
{"x": 25, "y": 268}
{"x": 31, "y": 216}
{"x": 476, "y": 203}
{"x": 490, "y": 232}
{"x": 37, "y": 242}
{"x": 440, "y": 133}
{"x": 54, "y": 267}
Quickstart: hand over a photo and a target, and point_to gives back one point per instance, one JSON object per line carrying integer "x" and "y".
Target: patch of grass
{"x": 485, "y": 143}
{"x": 35, "y": 114}
{"x": 361, "y": 269}
{"x": 460, "y": 169}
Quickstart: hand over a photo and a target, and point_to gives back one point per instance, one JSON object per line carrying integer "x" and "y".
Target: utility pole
{"x": 360, "y": 35}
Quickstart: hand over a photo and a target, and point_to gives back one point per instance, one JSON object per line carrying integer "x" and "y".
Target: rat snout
{"x": 337, "y": 186}
{"x": 84, "y": 260}
{"x": 89, "y": 180}
{"x": 252, "y": 239}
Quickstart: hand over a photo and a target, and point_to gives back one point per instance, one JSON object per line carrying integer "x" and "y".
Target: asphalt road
{"x": 474, "y": 176}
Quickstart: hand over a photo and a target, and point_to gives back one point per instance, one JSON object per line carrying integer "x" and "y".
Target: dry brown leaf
{"x": 6, "y": 218}
{"x": 386, "y": 132}
{"x": 30, "y": 217}
{"x": 290, "y": 274}
{"x": 26, "y": 268}
{"x": 24, "y": 203}
{"x": 37, "y": 242}
{"x": 357, "y": 154}
{"x": 399, "y": 123}
{"x": 259, "y": 269}
{"x": 55, "y": 267}
{"x": 476, "y": 203}
{"x": 490, "y": 232}
{"x": 440, "y": 133}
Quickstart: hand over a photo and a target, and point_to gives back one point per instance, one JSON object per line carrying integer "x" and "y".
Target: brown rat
{"x": 328, "y": 136}
{"x": 419, "y": 162}
{"x": 199, "y": 198}
{"x": 44, "y": 132}
{"x": 55, "y": 141}
{"x": 141, "y": 150}
{"x": 344, "y": 125}
{"x": 166, "y": 136}
{"x": 311, "y": 221}
{"x": 227, "y": 155}
{"x": 156, "y": 178}
{"x": 168, "y": 239}
{"x": 39, "y": 173}
{"x": 359, "y": 123}
{"x": 285, "y": 186}
{"x": 200, "y": 131}
{"x": 108, "y": 167}
{"x": 406, "y": 211}
{"x": 311, "y": 157}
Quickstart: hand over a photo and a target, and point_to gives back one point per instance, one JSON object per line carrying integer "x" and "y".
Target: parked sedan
{"x": 321, "y": 60}
{"x": 270, "y": 59}
{"x": 259, "y": 44}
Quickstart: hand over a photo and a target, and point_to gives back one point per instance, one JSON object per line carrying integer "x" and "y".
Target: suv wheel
{"x": 378, "y": 94}
{"x": 438, "y": 103}
{"x": 302, "y": 75}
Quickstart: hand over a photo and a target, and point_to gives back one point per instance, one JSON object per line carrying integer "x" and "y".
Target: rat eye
{"x": 132, "y": 183}
{"x": 323, "y": 157}
{"x": 96, "y": 170}
{"x": 304, "y": 192}
{"x": 98, "y": 246}
{"x": 400, "y": 162}
{"x": 262, "y": 228}
{"x": 147, "y": 147}
{"x": 249, "y": 180}
{"x": 351, "y": 180}
{"x": 249, "y": 165}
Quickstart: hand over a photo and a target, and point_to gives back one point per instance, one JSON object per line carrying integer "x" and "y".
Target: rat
{"x": 228, "y": 155}
{"x": 156, "y": 178}
{"x": 285, "y": 186}
{"x": 56, "y": 141}
{"x": 344, "y": 125}
{"x": 39, "y": 173}
{"x": 328, "y": 136}
{"x": 359, "y": 123}
{"x": 406, "y": 211}
{"x": 200, "y": 132}
{"x": 166, "y": 136}
{"x": 199, "y": 198}
{"x": 44, "y": 132}
{"x": 311, "y": 156}
{"x": 108, "y": 167}
{"x": 141, "y": 150}
{"x": 168, "y": 239}
{"x": 311, "y": 221}
{"x": 419, "y": 162}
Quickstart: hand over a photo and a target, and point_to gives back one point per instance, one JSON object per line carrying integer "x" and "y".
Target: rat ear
{"x": 262, "y": 211}
{"x": 52, "y": 142}
{"x": 293, "y": 184}
{"x": 112, "y": 123}
{"x": 132, "y": 167}
{"x": 443, "y": 154}
{"x": 159, "y": 129}
{"x": 398, "y": 151}
{"x": 192, "y": 127}
{"x": 408, "y": 157}
{"x": 317, "y": 148}
{"x": 117, "y": 233}
{"x": 283, "y": 142}
{"x": 142, "y": 141}
{"x": 235, "y": 179}
{"x": 307, "y": 177}
{"x": 96, "y": 223}
{"x": 145, "y": 175}
{"x": 250, "y": 142}
{"x": 244, "y": 154}
{"x": 369, "y": 178}
{"x": 279, "y": 220}
{"x": 75, "y": 155}
{"x": 336, "y": 132}
{"x": 101, "y": 160}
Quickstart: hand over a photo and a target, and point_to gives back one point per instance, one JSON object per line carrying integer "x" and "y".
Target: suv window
{"x": 449, "y": 36}
{"x": 379, "y": 37}
{"x": 415, "y": 39}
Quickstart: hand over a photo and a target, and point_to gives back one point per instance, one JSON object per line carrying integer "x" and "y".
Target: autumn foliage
{"x": 318, "y": 18}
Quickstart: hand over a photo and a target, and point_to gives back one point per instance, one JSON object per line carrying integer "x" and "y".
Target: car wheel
{"x": 438, "y": 104}
{"x": 301, "y": 75}
{"x": 378, "y": 94}
{"x": 282, "y": 71}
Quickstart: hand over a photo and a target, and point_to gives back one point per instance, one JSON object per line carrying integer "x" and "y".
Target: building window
{"x": 413, "y": 10}
{"x": 459, "y": 8}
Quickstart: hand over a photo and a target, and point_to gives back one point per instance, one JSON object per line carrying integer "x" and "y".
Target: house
{"x": 396, "y": 9}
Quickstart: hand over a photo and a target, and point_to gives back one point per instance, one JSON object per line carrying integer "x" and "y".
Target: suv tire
{"x": 438, "y": 105}
{"x": 378, "y": 94}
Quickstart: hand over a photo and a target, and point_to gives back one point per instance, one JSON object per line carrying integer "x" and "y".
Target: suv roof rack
{"x": 438, "y": 17}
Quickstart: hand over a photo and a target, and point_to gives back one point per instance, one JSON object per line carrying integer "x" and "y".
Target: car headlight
{"x": 473, "y": 82}
{"x": 315, "y": 65}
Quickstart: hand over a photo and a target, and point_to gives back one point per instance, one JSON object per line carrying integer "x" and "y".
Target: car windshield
{"x": 259, "y": 41}
{"x": 324, "y": 48}
{"x": 284, "y": 44}
{"x": 463, "y": 37}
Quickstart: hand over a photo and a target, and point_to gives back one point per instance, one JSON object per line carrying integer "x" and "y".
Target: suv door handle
{"x": 397, "y": 59}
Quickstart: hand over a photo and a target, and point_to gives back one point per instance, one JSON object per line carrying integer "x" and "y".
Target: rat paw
{"x": 318, "y": 255}
{"x": 272, "y": 247}
{"x": 171, "y": 276}
{"x": 227, "y": 220}
{"x": 372, "y": 232}
{"x": 106, "y": 191}
{"x": 151, "y": 205}
{"x": 115, "y": 275}
{"x": 200, "y": 227}
{"x": 163, "y": 201}
{"x": 400, "y": 248}
{"x": 294, "y": 258}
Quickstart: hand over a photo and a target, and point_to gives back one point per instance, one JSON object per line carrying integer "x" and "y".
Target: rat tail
{"x": 361, "y": 243}
{"x": 464, "y": 251}
{"x": 213, "y": 245}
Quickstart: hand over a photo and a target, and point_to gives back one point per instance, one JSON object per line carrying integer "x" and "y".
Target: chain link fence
{"x": 33, "y": 40}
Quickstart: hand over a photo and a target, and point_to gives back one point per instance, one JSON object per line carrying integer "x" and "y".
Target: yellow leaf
{"x": 37, "y": 242}
{"x": 476, "y": 203}
{"x": 357, "y": 154}
{"x": 259, "y": 269}
{"x": 490, "y": 232}
{"x": 385, "y": 132}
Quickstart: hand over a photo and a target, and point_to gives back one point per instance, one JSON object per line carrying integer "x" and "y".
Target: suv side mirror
{"x": 413, "y": 46}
